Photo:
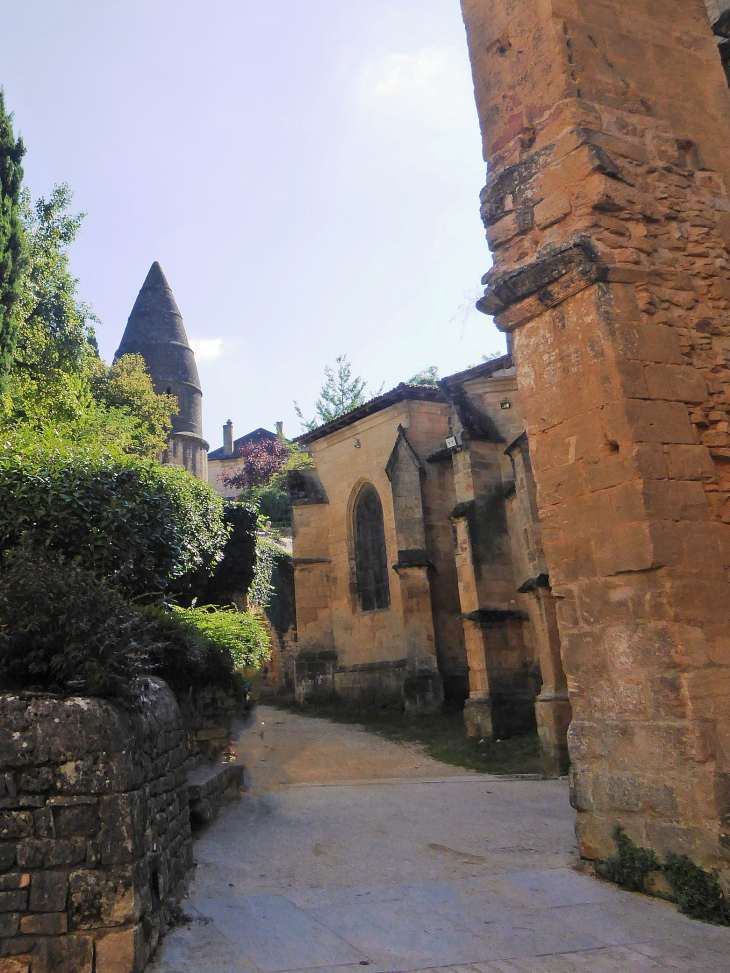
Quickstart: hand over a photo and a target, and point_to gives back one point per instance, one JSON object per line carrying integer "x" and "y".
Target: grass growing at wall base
{"x": 442, "y": 736}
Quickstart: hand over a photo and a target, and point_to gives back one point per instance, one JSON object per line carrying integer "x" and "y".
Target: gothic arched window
{"x": 371, "y": 558}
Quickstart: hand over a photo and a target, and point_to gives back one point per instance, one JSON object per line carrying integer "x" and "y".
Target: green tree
{"x": 428, "y": 376}
{"x": 340, "y": 394}
{"x": 56, "y": 342}
{"x": 11, "y": 238}
{"x": 58, "y": 381}
{"x": 128, "y": 399}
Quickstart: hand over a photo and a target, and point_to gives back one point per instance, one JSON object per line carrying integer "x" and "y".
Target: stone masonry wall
{"x": 95, "y": 843}
{"x": 606, "y": 126}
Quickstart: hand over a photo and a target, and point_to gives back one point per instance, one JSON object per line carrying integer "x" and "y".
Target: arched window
{"x": 371, "y": 558}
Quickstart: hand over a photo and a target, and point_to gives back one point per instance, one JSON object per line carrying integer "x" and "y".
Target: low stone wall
{"x": 95, "y": 846}
{"x": 208, "y": 716}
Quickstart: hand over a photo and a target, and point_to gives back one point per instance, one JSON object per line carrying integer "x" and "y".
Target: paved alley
{"x": 349, "y": 852}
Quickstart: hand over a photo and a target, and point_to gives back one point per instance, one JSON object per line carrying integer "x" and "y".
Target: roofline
{"x": 237, "y": 443}
{"x": 484, "y": 370}
{"x": 401, "y": 393}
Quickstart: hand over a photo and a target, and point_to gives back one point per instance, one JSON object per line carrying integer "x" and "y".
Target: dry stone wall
{"x": 95, "y": 846}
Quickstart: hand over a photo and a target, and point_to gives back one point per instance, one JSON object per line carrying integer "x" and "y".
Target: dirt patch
{"x": 280, "y": 748}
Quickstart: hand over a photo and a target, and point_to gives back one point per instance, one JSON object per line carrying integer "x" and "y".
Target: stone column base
{"x": 423, "y": 692}
{"x": 553, "y": 714}
{"x": 478, "y": 718}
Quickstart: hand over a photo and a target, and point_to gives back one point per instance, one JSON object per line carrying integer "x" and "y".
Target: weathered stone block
{"x": 121, "y": 952}
{"x": 37, "y": 780}
{"x": 14, "y": 880}
{"x": 122, "y": 828}
{"x": 44, "y": 924}
{"x": 478, "y": 718}
{"x": 48, "y": 891}
{"x": 7, "y": 855}
{"x": 102, "y": 898}
{"x": 639, "y": 421}
{"x": 680, "y": 383}
{"x": 81, "y": 820}
{"x": 552, "y": 210}
{"x": 16, "y": 901}
{"x": 15, "y": 824}
{"x": 16, "y": 964}
{"x": 50, "y": 853}
{"x": 9, "y": 926}
{"x": 43, "y": 822}
{"x": 690, "y": 463}
{"x": 64, "y": 954}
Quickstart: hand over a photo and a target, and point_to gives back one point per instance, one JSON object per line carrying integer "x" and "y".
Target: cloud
{"x": 433, "y": 86}
{"x": 206, "y": 349}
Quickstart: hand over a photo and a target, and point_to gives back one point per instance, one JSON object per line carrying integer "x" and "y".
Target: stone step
{"x": 210, "y": 786}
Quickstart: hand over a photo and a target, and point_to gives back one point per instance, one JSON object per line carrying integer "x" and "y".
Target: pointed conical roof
{"x": 156, "y": 331}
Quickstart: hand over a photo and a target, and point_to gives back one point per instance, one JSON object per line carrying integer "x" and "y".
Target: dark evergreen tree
{"x": 11, "y": 237}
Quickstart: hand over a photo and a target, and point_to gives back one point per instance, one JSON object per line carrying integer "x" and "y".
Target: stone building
{"x": 226, "y": 457}
{"x": 418, "y": 561}
{"x": 606, "y": 128}
{"x": 155, "y": 330}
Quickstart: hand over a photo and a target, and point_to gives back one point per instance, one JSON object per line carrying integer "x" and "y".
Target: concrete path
{"x": 351, "y": 853}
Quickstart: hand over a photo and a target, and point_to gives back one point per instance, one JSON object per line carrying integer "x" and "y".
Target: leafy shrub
{"x": 274, "y": 504}
{"x": 244, "y": 634}
{"x": 272, "y": 495}
{"x": 262, "y": 588}
{"x": 234, "y": 574}
{"x": 138, "y": 524}
{"x": 257, "y": 462}
{"x": 631, "y": 864}
{"x": 204, "y": 647}
{"x": 699, "y": 894}
{"x": 63, "y": 630}
{"x": 281, "y": 609}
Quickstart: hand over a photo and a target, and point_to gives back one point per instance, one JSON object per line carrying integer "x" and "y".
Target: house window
{"x": 371, "y": 558}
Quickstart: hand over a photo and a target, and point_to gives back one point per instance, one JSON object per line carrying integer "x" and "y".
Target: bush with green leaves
{"x": 698, "y": 892}
{"x": 142, "y": 526}
{"x": 631, "y": 865}
{"x": 235, "y": 572}
{"x": 244, "y": 634}
{"x": 63, "y": 630}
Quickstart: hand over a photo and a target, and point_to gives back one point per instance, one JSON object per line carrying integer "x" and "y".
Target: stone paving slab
{"x": 460, "y": 874}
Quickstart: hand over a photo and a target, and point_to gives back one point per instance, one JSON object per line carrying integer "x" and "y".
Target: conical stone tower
{"x": 156, "y": 331}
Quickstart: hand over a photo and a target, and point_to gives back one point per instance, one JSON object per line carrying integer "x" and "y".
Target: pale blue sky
{"x": 307, "y": 174}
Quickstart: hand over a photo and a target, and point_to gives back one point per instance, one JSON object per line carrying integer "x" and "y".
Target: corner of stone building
{"x": 606, "y": 211}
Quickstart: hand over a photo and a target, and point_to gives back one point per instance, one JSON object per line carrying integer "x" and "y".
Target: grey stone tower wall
{"x": 156, "y": 331}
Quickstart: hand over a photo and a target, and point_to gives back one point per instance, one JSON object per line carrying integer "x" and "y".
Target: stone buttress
{"x": 606, "y": 129}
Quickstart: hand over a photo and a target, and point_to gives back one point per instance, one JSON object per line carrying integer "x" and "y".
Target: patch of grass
{"x": 442, "y": 736}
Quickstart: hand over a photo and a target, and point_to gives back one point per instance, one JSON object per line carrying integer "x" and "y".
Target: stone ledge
{"x": 209, "y": 788}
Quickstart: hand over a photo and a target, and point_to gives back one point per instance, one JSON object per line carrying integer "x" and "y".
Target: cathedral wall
{"x": 358, "y": 652}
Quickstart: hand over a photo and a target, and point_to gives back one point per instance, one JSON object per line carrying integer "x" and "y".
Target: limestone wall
{"x": 208, "y": 715}
{"x": 341, "y": 648}
{"x": 94, "y": 829}
{"x": 606, "y": 127}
